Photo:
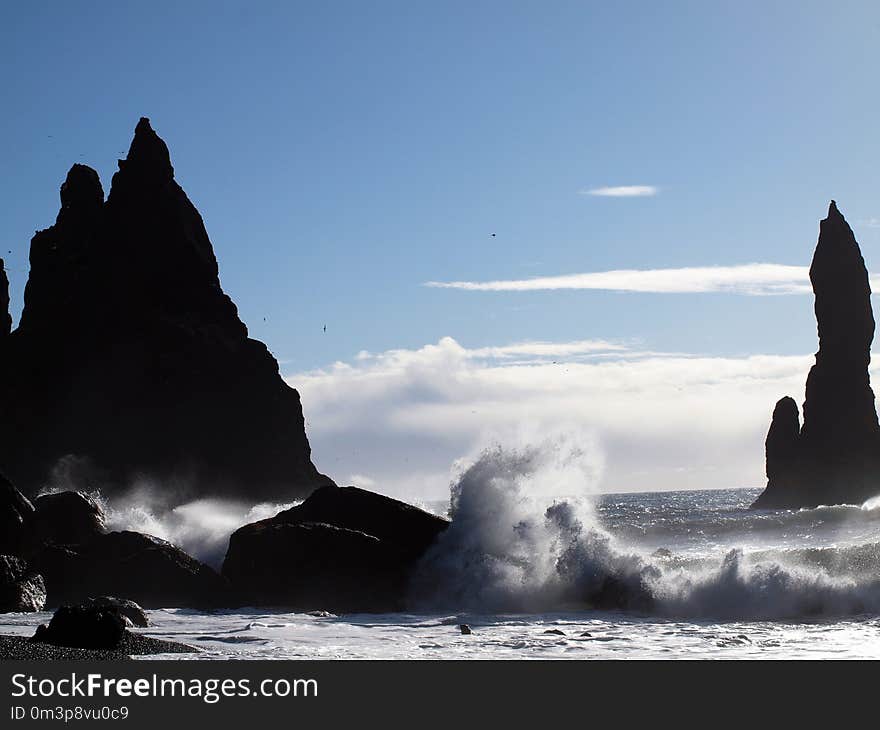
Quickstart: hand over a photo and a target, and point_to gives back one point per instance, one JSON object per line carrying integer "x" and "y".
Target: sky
{"x": 514, "y": 218}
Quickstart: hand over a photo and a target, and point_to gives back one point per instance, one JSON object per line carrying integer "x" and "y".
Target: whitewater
{"x": 680, "y": 574}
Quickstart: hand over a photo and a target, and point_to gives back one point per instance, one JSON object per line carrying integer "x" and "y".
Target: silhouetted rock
{"x": 783, "y": 450}
{"x": 129, "y": 610}
{"x": 15, "y": 512}
{"x": 139, "y": 567}
{"x": 21, "y": 589}
{"x": 343, "y": 549}
{"x": 5, "y": 317}
{"x": 99, "y": 628}
{"x": 130, "y": 360}
{"x": 835, "y": 457}
{"x": 66, "y": 518}
{"x": 83, "y": 627}
{"x": 410, "y": 528}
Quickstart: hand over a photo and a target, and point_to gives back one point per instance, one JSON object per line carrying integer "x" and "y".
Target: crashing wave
{"x": 504, "y": 551}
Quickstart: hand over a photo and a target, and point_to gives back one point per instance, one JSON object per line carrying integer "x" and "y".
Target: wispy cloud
{"x": 752, "y": 279}
{"x": 623, "y": 191}
{"x": 869, "y": 223}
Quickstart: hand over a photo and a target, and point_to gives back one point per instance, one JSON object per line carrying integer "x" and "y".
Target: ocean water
{"x": 719, "y": 581}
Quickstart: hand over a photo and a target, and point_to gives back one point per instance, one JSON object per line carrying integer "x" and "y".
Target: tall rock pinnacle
{"x": 835, "y": 457}
{"x": 131, "y": 362}
{"x": 5, "y": 318}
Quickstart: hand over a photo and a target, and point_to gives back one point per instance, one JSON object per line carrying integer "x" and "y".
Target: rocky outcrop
{"x": 65, "y": 518}
{"x": 344, "y": 549}
{"x": 5, "y": 317}
{"x": 84, "y": 627}
{"x": 139, "y": 567}
{"x": 21, "y": 589}
{"x": 87, "y": 631}
{"x": 783, "y": 450}
{"x": 130, "y": 360}
{"x": 15, "y": 513}
{"x": 63, "y": 543}
{"x": 131, "y": 612}
{"x": 835, "y": 456}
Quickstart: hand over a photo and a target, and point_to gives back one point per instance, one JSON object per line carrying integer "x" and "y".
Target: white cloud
{"x": 658, "y": 421}
{"x": 623, "y": 191}
{"x": 530, "y": 349}
{"x": 752, "y": 279}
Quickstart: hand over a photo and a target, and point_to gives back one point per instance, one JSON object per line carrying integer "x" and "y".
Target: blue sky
{"x": 343, "y": 154}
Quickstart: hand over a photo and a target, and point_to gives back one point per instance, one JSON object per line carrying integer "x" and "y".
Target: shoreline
{"x": 21, "y": 648}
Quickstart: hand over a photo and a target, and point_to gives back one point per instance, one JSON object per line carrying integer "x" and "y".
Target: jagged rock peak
{"x": 843, "y": 292}
{"x": 148, "y": 155}
{"x": 5, "y": 317}
{"x": 834, "y": 231}
{"x": 161, "y": 378}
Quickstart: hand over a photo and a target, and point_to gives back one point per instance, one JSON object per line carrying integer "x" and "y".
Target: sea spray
{"x": 200, "y": 527}
{"x": 508, "y": 551}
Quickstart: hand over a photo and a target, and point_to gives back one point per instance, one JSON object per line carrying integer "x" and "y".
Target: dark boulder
{"x": 21, "y": 589}
{"x": 312, "y": 565}
{"x": 129, "y": 610}
{"x": 15, "y": 512}
{"x": 835, "y": 456}
{"x": 343, "y": 549}
{"x": 142, "y": 568}
{"x": 87, "y": 631}
{"x": 159, "y": 376}
{"x": 83, "y": 627}
{"x": 411, "y": 529}
{"x": 66, "y": 518}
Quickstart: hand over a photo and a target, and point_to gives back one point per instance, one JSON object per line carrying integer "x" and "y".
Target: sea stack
{"x": 834, "y": 457}
{"x": 131, "y": 362}
{"x": 5, "y": 318}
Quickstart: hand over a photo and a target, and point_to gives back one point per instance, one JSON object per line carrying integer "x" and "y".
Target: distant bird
{"x": 325, "y": 328}
{"x": 493, "y": 235}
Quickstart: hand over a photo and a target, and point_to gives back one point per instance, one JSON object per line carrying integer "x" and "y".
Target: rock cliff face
{"x": 5, "y": 318}
{"x": 835, "y": 457}
{"x": 16, "y": 513}
{"x": 130, "y": 360}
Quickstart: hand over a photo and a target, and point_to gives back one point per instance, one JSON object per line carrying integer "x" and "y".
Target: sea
{"x": 720, "y": 581}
